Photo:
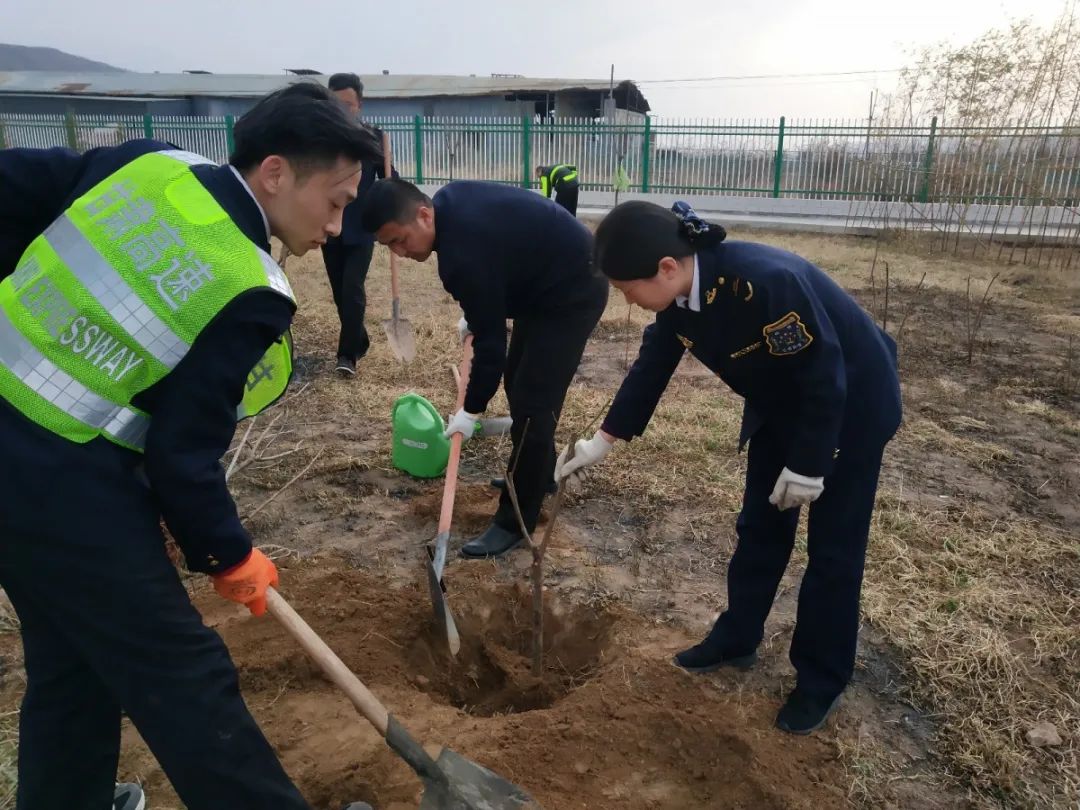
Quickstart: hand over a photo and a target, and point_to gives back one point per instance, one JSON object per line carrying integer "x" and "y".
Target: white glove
{"x": 463, "y": 329}
{"x": 794, "y": 490}
{"x": 586, "y": 452}
{"x": 463, "y": 423}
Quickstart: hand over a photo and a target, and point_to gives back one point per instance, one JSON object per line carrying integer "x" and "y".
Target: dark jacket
{"x": 805, "y": 356}
{"x": 506, "y": 252}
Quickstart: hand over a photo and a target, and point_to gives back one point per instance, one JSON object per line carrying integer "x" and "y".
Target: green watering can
{"x": 420, "y": 449}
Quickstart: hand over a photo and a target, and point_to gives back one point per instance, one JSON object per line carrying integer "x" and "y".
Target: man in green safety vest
{"x": 563, "y": 180}
{"x": 141, "y": 316}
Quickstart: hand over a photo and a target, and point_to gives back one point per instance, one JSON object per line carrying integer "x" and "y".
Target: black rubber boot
{"x": 494, "y": 542}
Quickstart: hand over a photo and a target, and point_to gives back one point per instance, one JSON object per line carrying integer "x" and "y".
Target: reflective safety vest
{"x": 109, "y": 299}
{"x": 557, "y": 176}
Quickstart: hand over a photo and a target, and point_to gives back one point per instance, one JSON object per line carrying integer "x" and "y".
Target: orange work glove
{"x": 247, "y": 582}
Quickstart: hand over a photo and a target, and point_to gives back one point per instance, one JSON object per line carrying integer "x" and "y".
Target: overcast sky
{"x": 646, "y": 41}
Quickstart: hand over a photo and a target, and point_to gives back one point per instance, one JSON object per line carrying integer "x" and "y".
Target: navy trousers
{"x": 347, "y": 269}
{"x": 827, "y": 623}
{"x": 107, "y": 625}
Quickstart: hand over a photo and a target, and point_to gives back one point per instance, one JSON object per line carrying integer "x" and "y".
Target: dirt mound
{"x": 610, "y": 724}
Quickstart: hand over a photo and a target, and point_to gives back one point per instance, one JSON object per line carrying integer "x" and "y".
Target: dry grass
{"x": 909, "y": 256}
{"x": 9, "y": 753}
{"x": 985, "y": 613}
{"x": 9, "y": 620}
{"x": 1054, "y": 416}
{"x": 979, "y": 453}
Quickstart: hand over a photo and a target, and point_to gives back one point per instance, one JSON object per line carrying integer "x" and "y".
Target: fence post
{"x": 418, "y": 147}
{"x": 69, "y": 128}
{"x": 778, "y": 168}
{"x": 230, "y": 141}
{"x": 148, "y": 125}
{"x": 928, "y": 162}
{"x": 645, "y": 148}
{"x": 526, "y": 151}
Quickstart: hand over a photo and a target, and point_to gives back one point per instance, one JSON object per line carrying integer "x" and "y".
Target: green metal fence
{"x": 776, "y": 158}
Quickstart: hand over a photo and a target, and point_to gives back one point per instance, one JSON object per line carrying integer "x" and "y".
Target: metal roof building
{"x": 200, "y": 93}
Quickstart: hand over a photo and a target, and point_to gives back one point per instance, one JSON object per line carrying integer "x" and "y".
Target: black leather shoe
{"x": 804, "y": 713}
{"x": 494, "y": 542}
{"x": 709, "y": 656}
{"x": 500, "y": 483}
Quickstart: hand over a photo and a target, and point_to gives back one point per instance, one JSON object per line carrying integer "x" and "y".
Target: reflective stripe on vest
{"x": 108, "y": 300}
{"x": 571, "y": 173}
{"x": 55, "y": 386}
{"x": 111, "y": 291}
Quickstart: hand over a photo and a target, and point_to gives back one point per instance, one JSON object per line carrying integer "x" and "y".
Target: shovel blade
{"x": 469, "y": 786}
{"x": 495, "y": 426}
{"x": 402, "y": 339}
{"x": 440, "y": 605}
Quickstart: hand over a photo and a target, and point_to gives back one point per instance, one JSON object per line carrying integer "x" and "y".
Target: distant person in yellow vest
{"x": 563, "y": 180}
{"x": 140, "y": 316}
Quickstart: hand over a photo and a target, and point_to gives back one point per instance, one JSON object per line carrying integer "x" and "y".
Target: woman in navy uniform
{"x": 822, "y": 399}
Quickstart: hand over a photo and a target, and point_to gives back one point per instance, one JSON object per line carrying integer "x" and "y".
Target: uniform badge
{"x": 787, "y": 335}
{"x": 710, "y": 296}
{"x": 749, "y": 291}
{"x": 685, "y": 341}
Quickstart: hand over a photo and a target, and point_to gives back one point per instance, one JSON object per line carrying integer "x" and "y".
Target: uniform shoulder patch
{"x": 788, "y": 335}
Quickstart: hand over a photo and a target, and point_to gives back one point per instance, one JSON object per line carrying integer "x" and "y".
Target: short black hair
{"x": 306, "y": 124}
{"x": 391, "y": 200}
{"x": 636, "y": 235}
{"x": 347, "y": 81}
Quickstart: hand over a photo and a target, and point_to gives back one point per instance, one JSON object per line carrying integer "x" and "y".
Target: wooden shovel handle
{"x": 365, "y": 702}
{"x": 450, "y": 483}
{"x": 387, "y": 159}
{"x": 387, "y": 170}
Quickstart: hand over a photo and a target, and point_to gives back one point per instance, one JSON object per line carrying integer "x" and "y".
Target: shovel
{"x": 399, "y": 332}
{"x": 437, "y": 549}
{"x": 451, "y": 782}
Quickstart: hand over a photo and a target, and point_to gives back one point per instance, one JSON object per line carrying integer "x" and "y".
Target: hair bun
{"x": 696, "y": 229}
